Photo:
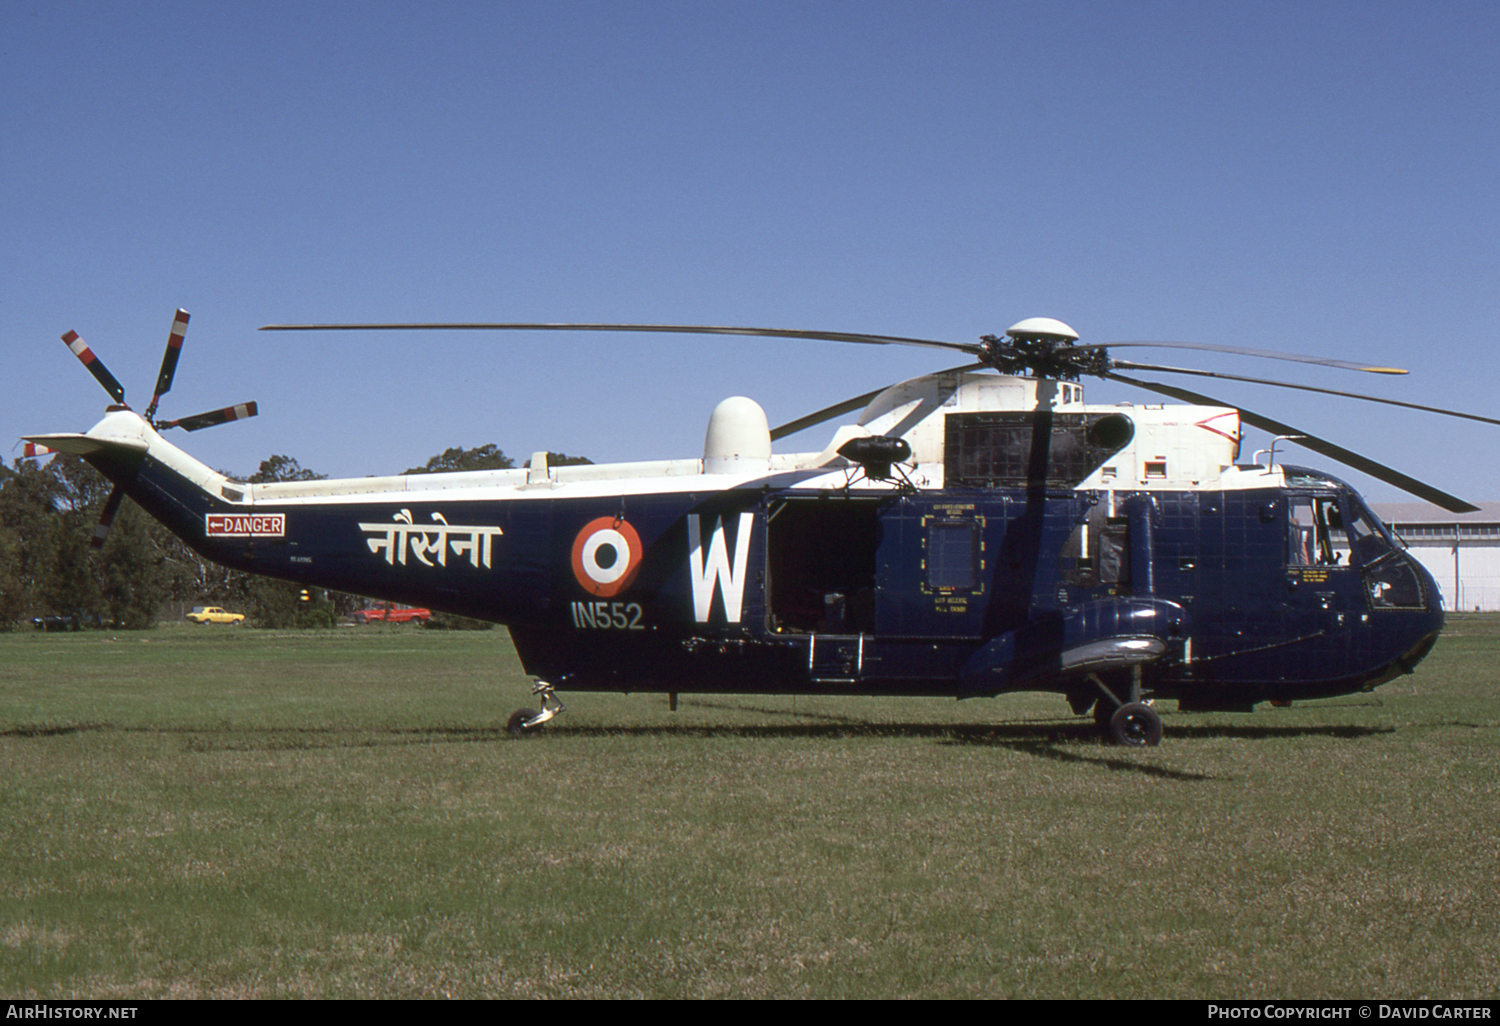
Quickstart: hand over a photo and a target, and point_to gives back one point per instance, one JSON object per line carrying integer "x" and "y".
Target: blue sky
{"x": 1309, "y": 176}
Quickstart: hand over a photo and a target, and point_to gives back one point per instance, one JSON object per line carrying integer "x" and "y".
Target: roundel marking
{"x": 606, "y": 556}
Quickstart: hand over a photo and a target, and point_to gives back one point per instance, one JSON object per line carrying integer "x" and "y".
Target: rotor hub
{"x": 1044, "y": 348}
{"x": 1041, "y": 327}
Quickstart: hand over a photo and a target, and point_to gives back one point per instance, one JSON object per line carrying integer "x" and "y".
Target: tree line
{"x": 143, "y": 573}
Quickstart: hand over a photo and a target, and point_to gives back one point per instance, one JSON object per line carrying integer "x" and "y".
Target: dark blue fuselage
{"x": 1219, "y": 599}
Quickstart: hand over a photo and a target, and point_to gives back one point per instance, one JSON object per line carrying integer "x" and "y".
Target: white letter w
{"x": 706, "y": 575}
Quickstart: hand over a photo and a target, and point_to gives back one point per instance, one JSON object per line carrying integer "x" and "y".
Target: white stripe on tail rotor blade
{"x": 79, "y": 346}
{"x": 179, "y": 329}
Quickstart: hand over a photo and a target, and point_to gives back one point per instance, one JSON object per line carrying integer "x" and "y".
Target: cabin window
{"x": 1097, "y": 552}
{"x": 953, "y": 557}
{"x": 1114, "y": 552}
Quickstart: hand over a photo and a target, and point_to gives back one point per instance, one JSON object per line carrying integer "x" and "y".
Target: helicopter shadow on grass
{"x": 1052, "y": 729}
{"x": 1059, "y": 739}
{"x": 1066, "y": 740}
{"x": 1075, "y": 744}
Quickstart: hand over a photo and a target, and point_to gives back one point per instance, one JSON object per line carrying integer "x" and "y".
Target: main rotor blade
{"x": 791, "y": 427}
{"x": 1127, "y": 365}
{"x": 1265, "y": 354}
{"x": 169, "y": 360}
{"x": 1364, "y": 464}
{"x": 684, "y": 329}
{"x": 95, "y": 365}
{"x": 198, "y": 421}
{"x": 972, "y": 349}
{"x": 859, "y": 402}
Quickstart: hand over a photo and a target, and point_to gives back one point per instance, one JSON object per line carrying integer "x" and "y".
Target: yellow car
{"x": 213, "y": 614}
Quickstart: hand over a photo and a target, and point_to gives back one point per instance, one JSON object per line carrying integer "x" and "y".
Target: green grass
{"x": 198, "y": 812}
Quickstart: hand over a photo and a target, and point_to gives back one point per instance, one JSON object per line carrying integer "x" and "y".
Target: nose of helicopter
{"x": 1406, "y": 613}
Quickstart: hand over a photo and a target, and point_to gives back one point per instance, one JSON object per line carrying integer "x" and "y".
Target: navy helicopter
{"x": 974, "y": 532}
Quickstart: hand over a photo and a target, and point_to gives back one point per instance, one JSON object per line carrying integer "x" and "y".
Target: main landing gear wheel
{"x": 1135, "y": 725}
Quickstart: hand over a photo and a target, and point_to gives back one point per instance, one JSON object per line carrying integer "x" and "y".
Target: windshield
{"x": 1369, "y": 541}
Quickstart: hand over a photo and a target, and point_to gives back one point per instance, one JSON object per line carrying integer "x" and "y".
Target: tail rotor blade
{"x": 198, "y": 421}
{"x": 169, "y": 361}
{"x": 95, "y": 366}
{"x": 107, "y": 517}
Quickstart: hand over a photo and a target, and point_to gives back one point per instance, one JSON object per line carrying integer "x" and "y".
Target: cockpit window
{"x": 1328, "y": 531}
{"x": 1394, "y": 584}
{"x": 1368, "y": 540}
{"x": 1315, "y": 534}
{"x": 1341, "y": 531}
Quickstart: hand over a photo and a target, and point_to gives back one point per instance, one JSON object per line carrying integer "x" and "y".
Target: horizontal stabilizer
{"x": 84, "y": 445}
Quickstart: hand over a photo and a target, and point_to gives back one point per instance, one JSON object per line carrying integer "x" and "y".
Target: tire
{"x": 1135, "y": 725}
{"x": 516, "y": 725}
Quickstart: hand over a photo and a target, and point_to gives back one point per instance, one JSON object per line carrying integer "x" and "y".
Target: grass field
{"x": 200, "y": 812}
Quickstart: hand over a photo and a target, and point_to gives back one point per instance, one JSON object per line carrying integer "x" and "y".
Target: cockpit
{"x": 1332, "y": 527}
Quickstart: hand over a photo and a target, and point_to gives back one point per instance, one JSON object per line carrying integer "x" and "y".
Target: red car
{"x": 389, "y": 614}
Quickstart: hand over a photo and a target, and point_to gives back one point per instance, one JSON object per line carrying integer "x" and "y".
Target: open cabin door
{"x": 820, "y": 578}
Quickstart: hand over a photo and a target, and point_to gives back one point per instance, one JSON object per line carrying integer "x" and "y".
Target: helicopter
{"x": 974, "y": 532}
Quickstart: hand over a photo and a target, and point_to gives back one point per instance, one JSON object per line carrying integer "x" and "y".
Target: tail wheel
{"x": 516, "y": 725}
